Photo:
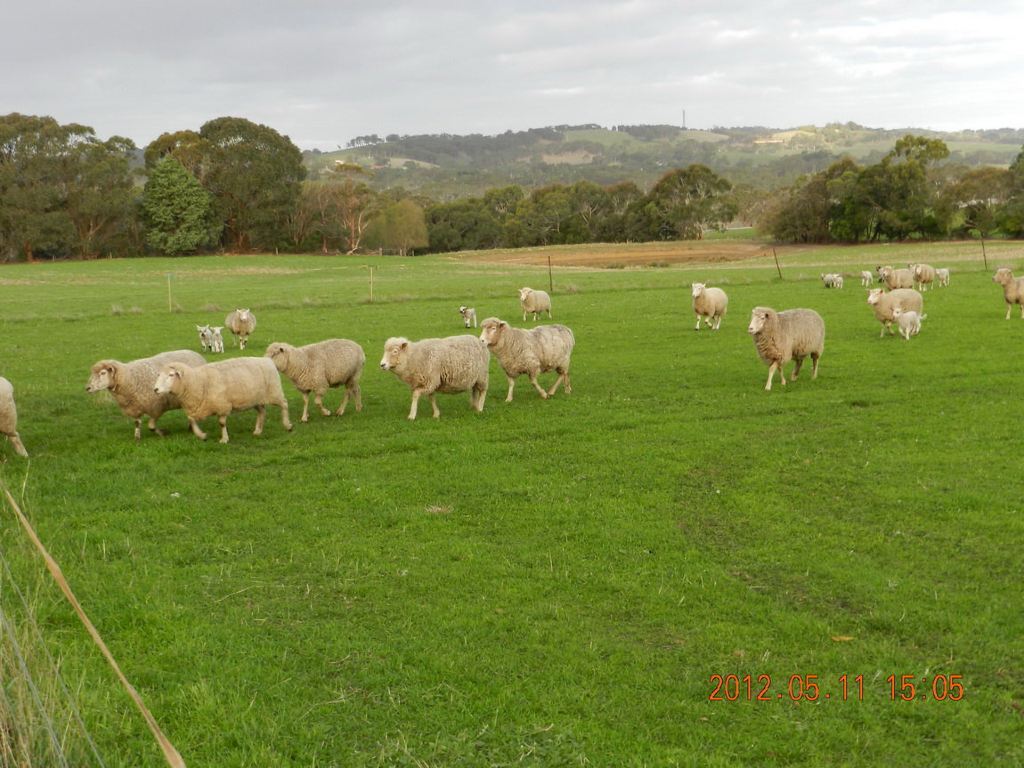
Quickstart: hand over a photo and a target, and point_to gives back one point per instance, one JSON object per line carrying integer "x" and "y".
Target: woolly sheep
{"x": 865, "y": 278}
{"x": 832, "y": 280}
{"x": 883, "y": 305}
{"x": 783, "y": 336}
{"x": 535, "y": 302}
{"x": 897, "y": 278}
{"x": 924, "y": 275}
{"x": 1013, "y": 289}
{"x": 908, "y": 321}
{"x": 708, "y": 304}
{"x": 216, "y": 339}
{"x": 241, "y": 322}
{"x": 224, "y": 387}
{"x": 468, "y": 315}
{"x": 320, "y": 366}
{"x": 449, "y": 365}
{"x": 534, "y": 351}
{"x": 205, "y": 337}
{"x": 131, "y": 385}
{"x": 942, "y": 276}
{"x": 9, "y": 417}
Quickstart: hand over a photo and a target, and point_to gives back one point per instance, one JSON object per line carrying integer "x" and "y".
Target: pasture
{"x": 548, "y": 583}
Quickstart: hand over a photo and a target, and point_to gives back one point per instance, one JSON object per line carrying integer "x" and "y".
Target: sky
{"x": 325, "y": 72}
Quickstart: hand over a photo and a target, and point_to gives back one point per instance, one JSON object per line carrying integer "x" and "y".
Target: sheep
{"x": 942, "y": 276}
{"x": 205, "y": 337}
{"x": 468, "y": 315}
{"x": 320, "y": 366}
{"x": 535, "y": 302}
{"x": 216, "y": 338}
{"x": 924, "y": 275}
{"x": 131, "y": 385}
{"x": 897, "y": 278}
{"x": 709, "y": 304}
{"x": 535, "y": 351}
{"x": 783, "y": 336}
{"x": 452, "y": 364}
{"x": 9, "y": 417}
{"x": 832, "y": 280}
{"x": 224, "y": 387}
{"x": 865, "y": 278}
{"x": 241, "y": 323}
{"x": 1013, "y": 289}
{"x": 883, "y": 304}
{"x": 908, "y": 321}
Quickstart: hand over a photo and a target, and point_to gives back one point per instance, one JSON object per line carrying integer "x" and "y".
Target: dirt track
{"x": 626, "y": 254}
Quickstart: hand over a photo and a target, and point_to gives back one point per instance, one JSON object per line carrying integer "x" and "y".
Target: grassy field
{"x": 548, "y": 583}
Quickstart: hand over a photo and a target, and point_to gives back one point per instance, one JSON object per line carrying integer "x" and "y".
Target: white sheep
{"x": 535, "y": 302}
{"x": 832, "y": 280}
{"x": 909, "y": 322}
{"x": 789, "y": 335}
{"x": 1013, "y": 289}
{"x": 318, "y": 367}
{"x": 897, "y": 278}
{"x": 709, "y": 304}
{"x": 468, "y": 315}
{"x": 205, "y": 337}
{"x": 131, "y": 385}
{"x": 9, "y": 417}
{"x": 884, "y": 303}
{"x": 241, "y": 322}
{"x": 942, "y": 276}
{"x": 865, "y": 278}
{"x": 452, "y": 364}
{"x": 924, "y": 276}
{"x": 224, "y": 387}
{"x": 534, "y": 351}
{"x": 216, "y": 338}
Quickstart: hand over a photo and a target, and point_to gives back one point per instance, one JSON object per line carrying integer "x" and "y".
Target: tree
{"x": 187, "y": 147}
{"x": 976, "y": 198}
{"x": 1010, "y": 215}
{"x": 101, "y": 193}
{"x": 466, "y": 224}
{"x": 400, "y": 227}
{"x": 177, "y": 210}
{"x": 687, "y": 201}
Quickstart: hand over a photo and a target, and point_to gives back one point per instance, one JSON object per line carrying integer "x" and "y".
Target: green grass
{"x": 545, "y": 583}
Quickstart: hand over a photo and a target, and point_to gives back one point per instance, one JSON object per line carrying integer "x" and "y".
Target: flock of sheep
{"x": 148, "y": 387}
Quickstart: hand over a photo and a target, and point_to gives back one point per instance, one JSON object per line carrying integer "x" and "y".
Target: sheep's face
{"x": 278, "y": 352}
{"x": 394, "y": 353}
{"x": 243, "y": 315}
{"x": 758, "y": 318}
{"x": 467, "y": 314}
{"x": 102, "y": 376}
{"x": 1002, "y": 276}
{"x": 524, "y": 292}
{"x": 874, "y": 296}
{"x": 168, "y": 380}
{"x": 491, "y": 331}
{"x": 884, "y": 272}
{"x": 696, "y": 289}
{"x": 897, "y": 311}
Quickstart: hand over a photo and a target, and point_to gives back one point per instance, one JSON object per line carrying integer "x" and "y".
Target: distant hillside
{"x": 448, "y": 166}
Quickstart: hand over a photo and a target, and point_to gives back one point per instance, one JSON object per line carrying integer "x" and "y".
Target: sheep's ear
{"x": 403, "y": 345}
{"x": 503, "y": 324}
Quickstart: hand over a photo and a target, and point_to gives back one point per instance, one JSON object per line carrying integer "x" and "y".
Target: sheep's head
{"x": 169, "y": 379}
{"x": 875, "y": 296}
{"x": 394, "y": 351}
{"x": 102, "y": 376}
{"x": 243, "y": 314}
{"x": 491, "y": 330}
{"x": 696, "y": 289}
{"x": 897, "y": 311}
{"x": 524, "y": 292}
{"x": 1002, "y": 276}
{"x": 758, "y": 319}
{"x": 278, "y": 352}
{"x": 884, "y": 272}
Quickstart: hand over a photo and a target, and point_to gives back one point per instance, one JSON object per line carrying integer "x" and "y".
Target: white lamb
{"x": 534, "y": 351}
{"x": 224, "y": 387}
{"x": 897, "y": 278}
{"x": 9, "y": 417}
{"x": 241, "y": 322}
{"x": 468, "y": 315}
{"x": 924, "y": 276}
{"x": 449, "y": 365}
{"x": 535, "y": 302}
{"x": 832, "y": 280}
{"x": 320, "y": 366}
{"x": 908, "y": 321}
{"x": 709, "y": 304}
{"x": 1013, "y": 289}
{"x": 883, "y": 304}
{"x": 942, "y": 276}
{"x": 216, "y": 338}
{"x": 865, "y": 278}
{"x": 205, "y": 337}
{"x": 783, "y": 336}
{"x": 131, "y": 385}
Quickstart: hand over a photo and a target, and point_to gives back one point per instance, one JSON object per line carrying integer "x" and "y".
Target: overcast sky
{"x": 324, "y": 72}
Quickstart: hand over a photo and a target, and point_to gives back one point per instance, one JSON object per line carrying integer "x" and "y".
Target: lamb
{"x": 205, "y": 337}
{"x": 468, "y": 315}
{"x": 216, "y": 339}
{"x": 241, "y": 323}
{"x": 832, "y": 280}
{"x": 535, "y": 351}
{"x": 320, "y": 366}
{"x": 783, "y": 336}
{"x": 709, "y": 304}
{"x": 9, "y": 417}
{"x": 535, "y": 302}
{"x": 224, "y": 387}
{"x": 865, "y": 278}
{"x": 924, "y": 275}
{"x": 897, "y": 278}
{"x": 131, "y": 384}
{"x": 908, "y": 321}
{"x": 883, "y": 304}
{"x": 942, "y": 275}
{"x": 452, "y": 364}
{"x": 1013, "y": 289}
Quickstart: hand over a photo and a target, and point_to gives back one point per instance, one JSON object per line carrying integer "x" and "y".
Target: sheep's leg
{"x": 196, "y": 430}
{"x": 480, "y": 391}
{"x": 153, "y": 428}
{"x": 796, "y": 371}
{"x": 1009, "y": 309}
{"x": 19, "y": 447}
{"x": 344, "y": 403}
{"x": 358, "y": 395}
{"x": 562, "y": 376}
{"x": 224, "y": 428}
{"x": 138, "y": 426}
{"x": 814, "y": 366}
{"x": 305, "y": 408}
{"x": 568, "y": 384}
{"x": 320, "y": 401}
{"x": 524, "y": 316}
{"x": 771, "y": 375}
{"x": 244, "y": 339}
{"x": 718, "y": 322}
{"x": 698, "y": 323}
{"x": 511, "y": 386}
{"x": 537, "y": 386}
{"x": 261, "y": 418}
{"x": 415, "y": 403}
{"x": 285, "y": 421}
{"x": 782, "y": 374}
{"x": 433, "y": 405}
